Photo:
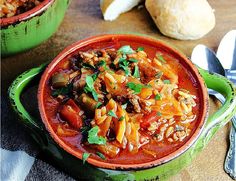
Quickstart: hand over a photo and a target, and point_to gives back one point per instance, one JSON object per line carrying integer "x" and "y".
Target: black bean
{"x": 111, "y": 136}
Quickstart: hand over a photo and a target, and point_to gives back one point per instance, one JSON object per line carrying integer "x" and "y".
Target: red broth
{"x": 153, "y": 149}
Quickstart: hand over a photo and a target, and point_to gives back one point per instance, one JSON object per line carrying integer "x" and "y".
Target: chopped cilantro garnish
{"x": 123, "y": 61}
{"x": 101, "y": 63}
{"x": 126, "y": 49}
{"x": 100, "y": 155}
{"x": 140, "y": 49}
{"x": 89, "y": 87}
{"x": 95, "y": 95}
{"x": 161, "y": 58}
{"x": 89, "y": 81}
{"x": 166, "y": 81}
{"x": 133, "y": 60}
{"x": 85, "y": 157}
{"x": 98, "y": 104}
{"x": 121, "y": 118}
{"x": 95, "y": 76}
{"x": 126, "y": 69}
{"x": 112, "y": 114}
{"x": 124, "y": 106}
{"x": 124, "y": 64}
{"x": 135, "y": 87}
{"x": 93, "y": 137}
{"x": 62, "y": 91}
{"x": 136, "y": 72}
{"x": 158, "y": 113}
{"x": 158, "y": 75}
{"x": 158, "y": 97}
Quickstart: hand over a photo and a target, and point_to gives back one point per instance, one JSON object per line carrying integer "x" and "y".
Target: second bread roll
{"x": 184, "y": 20}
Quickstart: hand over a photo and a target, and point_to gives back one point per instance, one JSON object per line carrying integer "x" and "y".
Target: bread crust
{"x": 185, "y": 20}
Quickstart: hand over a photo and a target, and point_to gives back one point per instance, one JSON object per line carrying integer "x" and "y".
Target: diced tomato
{"x": 70, "y": 113}
{"x": 148, "y": 119}
{"x": 63, "y": 130}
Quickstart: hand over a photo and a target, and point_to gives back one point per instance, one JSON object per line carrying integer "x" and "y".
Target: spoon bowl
{"x": 205, "y": 58}
{"x": 228, "y": 44}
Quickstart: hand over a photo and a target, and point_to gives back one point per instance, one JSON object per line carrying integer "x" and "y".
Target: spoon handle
{"x": 230, "y": 160}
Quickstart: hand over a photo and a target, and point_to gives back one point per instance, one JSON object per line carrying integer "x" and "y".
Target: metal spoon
{"x": 226, "y": 52}
{"x": 227, "y": 55}
{"x": 206, "y": 59}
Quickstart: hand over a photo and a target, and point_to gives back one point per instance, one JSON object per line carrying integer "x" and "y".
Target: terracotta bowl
{"x": 29, "y": 29}
{"x": 143, "y": 40}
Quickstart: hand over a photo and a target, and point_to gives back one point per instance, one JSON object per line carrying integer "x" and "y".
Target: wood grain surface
{"x": 84, "y": 19}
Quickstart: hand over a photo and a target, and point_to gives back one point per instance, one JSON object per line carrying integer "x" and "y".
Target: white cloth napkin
{"x": 15, "y": 165}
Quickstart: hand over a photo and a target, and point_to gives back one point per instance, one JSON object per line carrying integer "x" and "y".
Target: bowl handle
{"x": 227, "y": 110}
{"x": 15, "y": 91}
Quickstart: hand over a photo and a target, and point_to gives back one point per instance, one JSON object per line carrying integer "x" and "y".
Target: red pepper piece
{"x": 148, "y": 119}
{"x": 70, "y": 113}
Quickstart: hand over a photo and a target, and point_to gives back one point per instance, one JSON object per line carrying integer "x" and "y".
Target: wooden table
{"x": 84, "y": 19}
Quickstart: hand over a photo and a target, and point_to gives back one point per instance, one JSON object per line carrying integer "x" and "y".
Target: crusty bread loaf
{"x": 111, "y": 9}
{"x": 184, "y": 20}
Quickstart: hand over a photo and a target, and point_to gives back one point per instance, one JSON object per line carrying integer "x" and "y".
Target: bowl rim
{"x": 114, "y": 166}
{"x": 26, "y": 15}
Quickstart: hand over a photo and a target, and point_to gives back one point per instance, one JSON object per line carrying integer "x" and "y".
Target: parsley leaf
{"x": 123, "y": 61}
{"x": 95, "y": 95}
{"x": 166, "y": 81}
{"x": 95, "y": 75}
{"x": 85, "y": 157}
{"x": 121, "y": 118}
{"x": 112, "y": 114}
{"x": 161, "y": 58}
{"x": 89, "y": 87}
{"x": 98, "y": 104}
{"x": 89, "y": 81}
{"x": 140, "y": 49}
{"x": 100, "y": 155}
{"x": 101, "y": 63}
{"x": 62, "y": 91}
{"x": 133, "y": 60}
{"x": 158, "y": 113}
{"x": 93, "y": 137}
{"x": 135, "y": 87}
{"x": 126, "y": 49}
{"x": 158, "y": 97}
{"x": 126, "y": 69}
{"x": 136, "y": 72}
{"x": 124, "y": 64}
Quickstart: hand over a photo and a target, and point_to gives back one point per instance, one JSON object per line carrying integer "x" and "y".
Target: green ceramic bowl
{"x": 29, "y": 29}
{"x": 76, "y": 168}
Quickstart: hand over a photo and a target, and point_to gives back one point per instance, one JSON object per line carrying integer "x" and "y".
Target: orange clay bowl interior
{"x": 151, "y": 46}
{"x": 26, "y": 15}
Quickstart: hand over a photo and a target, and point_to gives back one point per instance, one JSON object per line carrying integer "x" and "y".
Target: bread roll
{"x": 111, "y": 9}
{"x": 182, "y": 19}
